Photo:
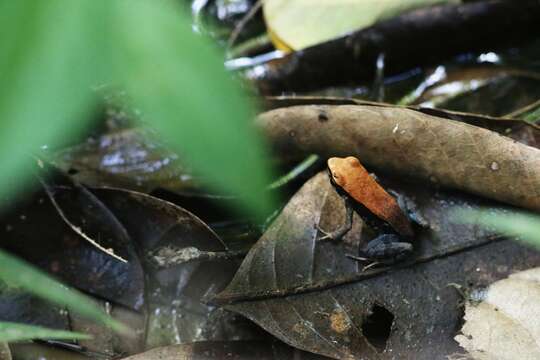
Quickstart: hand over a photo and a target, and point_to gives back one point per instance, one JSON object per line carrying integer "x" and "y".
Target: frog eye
{"x": 339, "y": 180}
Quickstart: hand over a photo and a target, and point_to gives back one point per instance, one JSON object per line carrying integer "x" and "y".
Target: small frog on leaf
{"x": 377, "y": 208}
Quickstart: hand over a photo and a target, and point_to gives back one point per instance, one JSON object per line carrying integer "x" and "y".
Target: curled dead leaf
{"x": 446, "y": 152}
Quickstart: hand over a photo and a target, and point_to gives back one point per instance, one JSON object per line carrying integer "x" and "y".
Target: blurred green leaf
{"x": 17, "y": 273}
{"x": 16, "y": 332}
{"x": 525, "y": 226}
{"x": 49, "y": 59}
{"x": 532, "y": 116}
{"x": 178, "y": 80}
{"x": 295, "y": 172}
{"x": 54, "y": 51}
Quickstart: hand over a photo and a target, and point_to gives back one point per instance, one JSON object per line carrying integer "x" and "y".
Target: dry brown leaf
{"x": 5, "y": 353}
{"x": 311, "y": 295}
{"x": 505, "y": 324}
{"x": 446, "y": 152}
{"x": 219, "y": 350}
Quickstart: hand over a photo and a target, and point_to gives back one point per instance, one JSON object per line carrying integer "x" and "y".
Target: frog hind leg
{"x": 387, "y": 247}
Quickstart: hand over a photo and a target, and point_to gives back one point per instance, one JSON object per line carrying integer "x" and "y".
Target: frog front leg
{"x": 409, "y": 208}
{"x": 337, "y": 234}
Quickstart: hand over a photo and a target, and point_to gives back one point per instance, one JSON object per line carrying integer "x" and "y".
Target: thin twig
{"x": 521, "y": 111}
{"x": 243, "y": 22}
{"x": 250, "y": 46}
{"x": 75, "y": 228}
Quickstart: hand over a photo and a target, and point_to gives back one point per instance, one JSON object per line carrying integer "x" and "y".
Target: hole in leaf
{"x": 378, "y": 326}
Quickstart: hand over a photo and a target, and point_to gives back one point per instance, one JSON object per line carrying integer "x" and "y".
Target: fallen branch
{"x": 420, "y": 37}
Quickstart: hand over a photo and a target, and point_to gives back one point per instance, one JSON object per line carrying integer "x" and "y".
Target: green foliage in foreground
{"x": 16, "y": 332}
{"x": 524, "y": 226}
{"x": 53, "y": 53}
{"x": 19, "y": 274}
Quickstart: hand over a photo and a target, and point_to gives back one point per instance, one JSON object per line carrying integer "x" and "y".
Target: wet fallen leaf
{"x": 310, "y": 295}
{"x": 36, "y": 232}
{"x": 87, "y": 216}
{"x": 449, "y": 153}
{"x": 176, "y": 311}
{"x": 324, "y": 20}
{"x": 126, "y": 158}
{"x": 234, "y": 350}
{"x": 503, "y": 325}
{"x": 104, "y": 341}
{"x": 127, "y": 220}
{"x": 466, "y": 88}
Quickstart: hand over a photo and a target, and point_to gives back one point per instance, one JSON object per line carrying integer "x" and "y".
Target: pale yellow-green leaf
{"x": 297, "y": 24}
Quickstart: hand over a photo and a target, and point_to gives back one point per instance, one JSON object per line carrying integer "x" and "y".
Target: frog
{"x": 388, "y": 214}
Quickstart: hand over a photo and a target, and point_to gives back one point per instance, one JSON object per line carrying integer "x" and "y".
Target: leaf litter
{"x": 312, "y": 296}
